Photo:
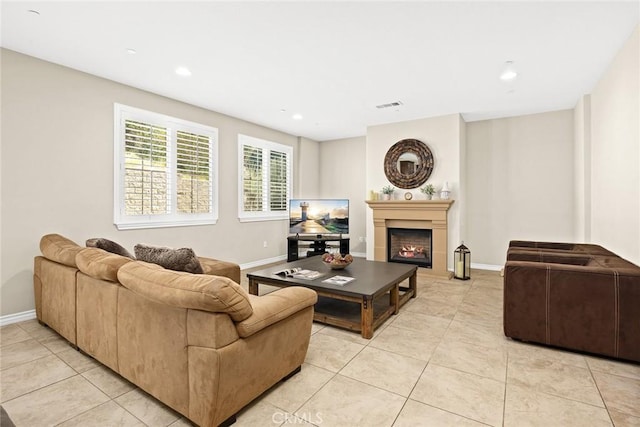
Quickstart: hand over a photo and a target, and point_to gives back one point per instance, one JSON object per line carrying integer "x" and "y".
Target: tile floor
{"x": 442, "y": 361}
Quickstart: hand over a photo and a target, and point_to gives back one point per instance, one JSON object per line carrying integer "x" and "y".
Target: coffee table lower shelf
{"x": 350, "y": 313}
{"x": 355, "y": 313}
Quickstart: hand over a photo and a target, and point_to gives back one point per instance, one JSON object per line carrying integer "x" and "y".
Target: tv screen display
{"x": 319, "y": 216}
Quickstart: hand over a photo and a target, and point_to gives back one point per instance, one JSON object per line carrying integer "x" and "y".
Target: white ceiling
{"x": 333, "y": 62}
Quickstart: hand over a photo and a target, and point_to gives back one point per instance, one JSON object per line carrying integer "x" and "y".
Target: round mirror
{"x": 408, "y": 163}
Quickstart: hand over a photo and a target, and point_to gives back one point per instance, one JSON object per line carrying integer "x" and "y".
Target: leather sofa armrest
{"x": 274, "y": 307}
{"x": 216, "y": 267}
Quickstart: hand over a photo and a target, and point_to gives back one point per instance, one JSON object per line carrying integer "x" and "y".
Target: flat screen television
{"x": 319, "y": 216}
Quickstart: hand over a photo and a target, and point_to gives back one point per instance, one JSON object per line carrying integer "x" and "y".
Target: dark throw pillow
{"x": 109, "y": 246}
{"x": 183, "y": 259}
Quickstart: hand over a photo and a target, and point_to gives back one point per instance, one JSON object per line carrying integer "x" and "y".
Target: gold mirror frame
{"x": 422, "y": 170}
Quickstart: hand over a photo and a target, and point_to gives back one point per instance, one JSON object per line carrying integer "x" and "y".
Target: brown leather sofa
{"x": 197, "y": 342}
{"x": 576, "y": 296}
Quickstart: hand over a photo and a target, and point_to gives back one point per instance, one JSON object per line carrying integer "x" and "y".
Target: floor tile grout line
{"x": 612, "y": 373}
{"x": 604, "y": 402}
{"x": 95, "y": 407}
{"x": 506, "y": 379}
{"x": 563, "y": 397}
{"x": 52, "y": 384}
{"x": 28, "y": 361}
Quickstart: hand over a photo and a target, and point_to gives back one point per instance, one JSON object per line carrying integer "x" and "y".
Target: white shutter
{"x": 193, "y": 169}
{"x": 146, "y": 178}
{"x": 264, "y": 179}
{"x": 252, "y": 179}
{"x": 278, "y": 181}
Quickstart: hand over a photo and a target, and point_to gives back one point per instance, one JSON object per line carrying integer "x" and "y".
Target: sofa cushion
{"x": 535, "y": 255}
{"x": 100, "y": 264}
{"x": 220, "y": 268}
{"x": 59, "y": 249}
{"x": 109, "y": 246}
{"x": 185, "y": 290}
{"x": 183, "y": 259}
{"x": 541, "y": 245}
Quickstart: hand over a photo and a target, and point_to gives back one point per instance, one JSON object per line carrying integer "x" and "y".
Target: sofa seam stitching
{"x": 547, "y": 291}
{"x": 616, "y": 283}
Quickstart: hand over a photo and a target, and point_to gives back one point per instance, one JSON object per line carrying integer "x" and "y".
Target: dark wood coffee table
{"x": 362, "y": 304}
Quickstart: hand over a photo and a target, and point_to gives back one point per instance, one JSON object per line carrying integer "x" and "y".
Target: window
{"x": 165, "y": 170}
{"x": 264, "y": 170}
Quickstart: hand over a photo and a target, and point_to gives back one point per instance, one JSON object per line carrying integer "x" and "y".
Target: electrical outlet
{"x": 264, "y": 244}
{"x": 361, "y": 239}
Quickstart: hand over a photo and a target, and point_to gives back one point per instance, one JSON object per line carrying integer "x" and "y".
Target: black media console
{"x": 317, "y": 245}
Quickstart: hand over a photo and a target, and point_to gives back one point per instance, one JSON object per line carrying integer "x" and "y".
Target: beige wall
{"x": 582, "y": 169}
{"x": 519, "y": 182}
{"x": 443, "y": 135}
{"x": 615, "y": 154}
{"x": 57, "y": 172}
{"x": 308, "y": 170}
{"x": 343, "y": 166}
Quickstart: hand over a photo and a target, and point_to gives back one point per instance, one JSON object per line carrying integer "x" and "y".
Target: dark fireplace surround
{"x": 410, "y": 246}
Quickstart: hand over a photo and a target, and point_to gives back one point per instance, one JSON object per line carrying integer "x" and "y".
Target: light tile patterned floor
{"x": 442, "y": 361}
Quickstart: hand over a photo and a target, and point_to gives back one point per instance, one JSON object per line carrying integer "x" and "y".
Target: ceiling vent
{"x": 389, "y": 105}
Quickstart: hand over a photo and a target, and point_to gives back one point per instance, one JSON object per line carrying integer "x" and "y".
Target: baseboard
{"x": 17, "y": 317}
{"x": 260, "y": 262}
{"x": 487, "y": 267}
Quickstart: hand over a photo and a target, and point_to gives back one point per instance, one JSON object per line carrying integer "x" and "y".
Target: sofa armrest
{"x": 216, "y": 267}
{"x": 274, "y": 307}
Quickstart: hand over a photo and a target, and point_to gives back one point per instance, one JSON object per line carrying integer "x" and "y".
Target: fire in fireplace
{"x": 409, "y": 246}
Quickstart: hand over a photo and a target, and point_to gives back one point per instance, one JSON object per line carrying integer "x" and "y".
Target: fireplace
{"x": 412, "y": 215}
{"x": 409, "y": 246}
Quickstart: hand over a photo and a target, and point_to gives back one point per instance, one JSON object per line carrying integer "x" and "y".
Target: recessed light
{"x": 131, "y": 51}
{"x": 509, "y": 73}
{"x": 297, "y": 116}
{"x": 183, "y": 71}
{"x": 33, "y": 12}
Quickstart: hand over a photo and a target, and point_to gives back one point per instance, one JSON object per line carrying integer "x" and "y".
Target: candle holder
{"x": 462, "y": 263}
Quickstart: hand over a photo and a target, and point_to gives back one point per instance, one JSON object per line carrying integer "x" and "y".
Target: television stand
{"x": 317, "y": 245}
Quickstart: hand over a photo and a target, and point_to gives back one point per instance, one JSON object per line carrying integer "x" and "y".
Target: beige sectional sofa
{"x": 197, "y": 342}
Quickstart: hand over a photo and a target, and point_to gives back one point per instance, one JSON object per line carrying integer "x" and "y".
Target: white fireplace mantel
{"x": 423, "y": 214}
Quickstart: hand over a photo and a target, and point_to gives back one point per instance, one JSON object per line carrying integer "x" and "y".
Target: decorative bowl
{"x": 337, "y": 261}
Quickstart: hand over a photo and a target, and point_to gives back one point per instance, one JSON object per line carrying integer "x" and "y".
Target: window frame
{"x": 123, "y": 221}
{"x": 266, "y": 147}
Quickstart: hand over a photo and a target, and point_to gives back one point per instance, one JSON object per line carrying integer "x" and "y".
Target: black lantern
{"x": 462, "y": 262}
